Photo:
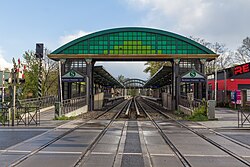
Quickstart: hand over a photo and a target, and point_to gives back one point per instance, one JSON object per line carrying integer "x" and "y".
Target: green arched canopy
{"x": 132, "y": 43}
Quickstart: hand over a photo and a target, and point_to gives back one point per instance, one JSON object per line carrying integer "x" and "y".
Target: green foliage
{"x": 121, "y": 78}
{"x": 65, "y": 118}
{"x": 49, "y": 76}
{"x": 30, "y": 88}
{"x": 199, "y": 114}
{"x": 154, "y": 66}
{"x": 178, "y": 113}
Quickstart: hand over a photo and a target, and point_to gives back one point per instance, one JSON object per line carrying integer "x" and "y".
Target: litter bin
{"x": 211, "y": 109}
{"x": 58, "y": 111}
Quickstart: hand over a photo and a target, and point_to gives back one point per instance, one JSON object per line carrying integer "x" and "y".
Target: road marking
{"x": 24, "y": 129}
{"x": 168, "y": 155}
{"x": 199, "y": 155}
{"x": 58, "y": 152}
{"x": 101, "y": 153}
{"x": 14, "y": 151}
{"x": 130, "y": 153}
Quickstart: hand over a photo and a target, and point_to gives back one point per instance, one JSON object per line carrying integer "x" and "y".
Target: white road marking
{"x": 58, "y": 152}
{"x": 172, "y": 155}
{"x": 199, "y": 155}
{"x": 101, "y": 153}
{"x": 130, "y": 153}
{"x": 14, "y": 151}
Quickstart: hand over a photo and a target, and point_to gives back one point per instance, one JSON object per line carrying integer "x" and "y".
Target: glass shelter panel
{"x": 132, "y": 42}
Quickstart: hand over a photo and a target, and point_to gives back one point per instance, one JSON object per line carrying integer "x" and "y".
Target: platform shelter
{"x": 136, "y": 44}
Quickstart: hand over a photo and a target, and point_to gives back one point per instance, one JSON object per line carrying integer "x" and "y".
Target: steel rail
{"x": 136, "y": 107}
{"x": 238, "y": 157}
{"x": 181, "y": 157}
{"x": 25, "y": 157}
{"x": 129, "y": 106}
{"x": 99, "y": 137}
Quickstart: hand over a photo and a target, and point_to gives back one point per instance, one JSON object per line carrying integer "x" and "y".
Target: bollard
{"x": 58, "y": 110}
{"x": 211, "y": 109}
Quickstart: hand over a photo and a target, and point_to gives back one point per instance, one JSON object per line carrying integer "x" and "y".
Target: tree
{"x": 49, "y": 75}
{"x": 242, "y": 55}
{"x": 30, "y": 89}
{"x": 121, "y": 79}
{"x": 224, "y": 60}
{"x": 154, "y": 66}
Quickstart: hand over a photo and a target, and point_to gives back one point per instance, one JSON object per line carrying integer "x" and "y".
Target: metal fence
{"x": 4, "y": 116}
{"x": 73, "y": 104}
{"x": 183, "y": 100}
{"x": 43, "y": 102}
{"x": 28, "y": 116}
{"x": 243, "y": 117}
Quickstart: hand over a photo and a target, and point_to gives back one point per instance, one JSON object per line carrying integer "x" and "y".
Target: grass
{"x": 199, "y": 114}
{"x": 65, "y": 118}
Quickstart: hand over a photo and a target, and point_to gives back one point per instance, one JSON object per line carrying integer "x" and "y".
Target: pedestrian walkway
{"x": 47, "y": 116}
{"x": 227, "y": 118}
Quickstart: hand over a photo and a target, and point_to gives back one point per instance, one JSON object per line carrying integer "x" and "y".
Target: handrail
{"x": 69, "y": 105}
{"x": 186, "y": 103}
{"x": 43, "y": 102}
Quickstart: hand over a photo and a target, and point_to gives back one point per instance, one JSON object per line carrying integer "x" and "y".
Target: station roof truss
{"x": 132, "y": 43}
{"x": 102, "y": 77}
{"x": 161, "y": 78}
{"x": 134, "y": 83}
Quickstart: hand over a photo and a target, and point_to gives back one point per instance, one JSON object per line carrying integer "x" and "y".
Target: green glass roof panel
{"x": 133, "y": 40}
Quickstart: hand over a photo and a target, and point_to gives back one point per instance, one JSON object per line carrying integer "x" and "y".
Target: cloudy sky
{"x": 56, "y": 22}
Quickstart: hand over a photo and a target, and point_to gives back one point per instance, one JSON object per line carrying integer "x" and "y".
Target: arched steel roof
{"x": 134, "y": 83}
{"x": 130, "y": 42}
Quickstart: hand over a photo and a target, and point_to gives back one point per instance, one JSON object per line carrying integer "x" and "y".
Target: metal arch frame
{"x": 134, "y": 81}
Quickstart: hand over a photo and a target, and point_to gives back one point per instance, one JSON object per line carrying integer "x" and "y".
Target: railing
{"x": 196, "y": 103}
{"x": 243, "y": 117}
{"x": 43, "y": 102}
{"x": 28, "y": 115}
{"x": 4, "y": 116}
{"x": 73, "y": 104}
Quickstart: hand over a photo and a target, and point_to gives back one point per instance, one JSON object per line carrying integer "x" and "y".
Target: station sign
{"x": 193, "y": 76}
{"x": 73, "y": 76}
{"x": 241, "y": 69}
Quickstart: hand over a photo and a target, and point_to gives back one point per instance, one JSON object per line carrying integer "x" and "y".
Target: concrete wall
{"x": 98, "y": 101}
{"x": 166, "y": 100}
{"x": 77, "y": 112}
{"x": 185, "y": 110}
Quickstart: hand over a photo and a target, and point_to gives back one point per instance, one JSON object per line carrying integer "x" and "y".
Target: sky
{"x": 56, "y": 22}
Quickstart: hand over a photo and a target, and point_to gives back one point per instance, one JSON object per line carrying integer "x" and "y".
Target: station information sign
{"x": 241, "y": 69}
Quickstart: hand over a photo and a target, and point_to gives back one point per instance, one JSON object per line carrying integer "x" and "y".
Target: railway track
{"x": 137, "y": 110}
{"x": 116, "y": 110}
{"x": 149, "y": 109}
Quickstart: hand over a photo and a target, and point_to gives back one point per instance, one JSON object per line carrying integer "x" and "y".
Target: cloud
{"x": 67, "y": 38}
{"x": 222, "y": 21}
{"x": 4, "y": 64}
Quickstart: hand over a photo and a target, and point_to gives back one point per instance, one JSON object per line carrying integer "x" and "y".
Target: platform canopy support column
{"x": 175, "y": 84}
{"x": 90, "y": 84}
{"x": 204, "y": 85}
